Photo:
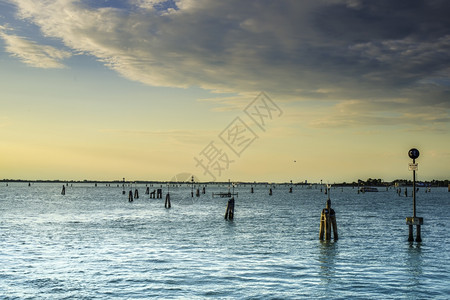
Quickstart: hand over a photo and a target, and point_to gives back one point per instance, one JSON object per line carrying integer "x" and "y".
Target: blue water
{"x": 93, "y": 244}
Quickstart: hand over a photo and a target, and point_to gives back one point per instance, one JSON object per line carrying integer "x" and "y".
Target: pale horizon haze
{"x": 256, "y": 90}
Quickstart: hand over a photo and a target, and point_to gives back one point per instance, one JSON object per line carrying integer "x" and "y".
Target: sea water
{"x": 92, "y": 243}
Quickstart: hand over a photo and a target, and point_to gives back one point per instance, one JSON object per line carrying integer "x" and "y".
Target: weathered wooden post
{"x": 290, "y": 188}
{"x": 130, "y": 196}
{"x": 229, "y": 213}
{"x": 159, "y": 193}
{"x": 167, "y": 203}
{"x": 63, "y": 192}
{"x": 414, "y": 220}
{"x": 270, "y": 192}
{"x": 123, "y": 186}
{"x": 147, "y": 191}
{"x": 328, "y": 221}
{"x": 136, "y": 194}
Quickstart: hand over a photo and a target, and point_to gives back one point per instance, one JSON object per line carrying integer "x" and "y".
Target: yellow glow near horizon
{"x": 64, "y": 150}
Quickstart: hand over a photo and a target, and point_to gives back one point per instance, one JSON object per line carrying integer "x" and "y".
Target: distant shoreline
{"x": 369, "y": 182}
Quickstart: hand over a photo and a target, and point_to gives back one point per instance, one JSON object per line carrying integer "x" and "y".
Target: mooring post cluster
{"x": 328, "y": 220}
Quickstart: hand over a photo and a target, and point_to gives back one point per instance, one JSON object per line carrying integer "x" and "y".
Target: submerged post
{"x": 63, "y": 192}
{"x": 414, "y": 220}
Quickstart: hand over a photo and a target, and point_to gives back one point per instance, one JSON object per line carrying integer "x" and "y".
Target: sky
{"x": 256, "y": 90}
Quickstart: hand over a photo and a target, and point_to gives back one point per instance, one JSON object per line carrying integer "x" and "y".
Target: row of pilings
{"x": 328, "y": 216}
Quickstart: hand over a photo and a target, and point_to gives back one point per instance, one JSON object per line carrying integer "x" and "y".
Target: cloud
{"x": 33, "y": 54}
{"x": 336, "y": 50}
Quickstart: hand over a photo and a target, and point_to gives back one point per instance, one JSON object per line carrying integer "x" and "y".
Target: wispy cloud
{"x": 184, "y": 136}
{"x": 33, "y": 54}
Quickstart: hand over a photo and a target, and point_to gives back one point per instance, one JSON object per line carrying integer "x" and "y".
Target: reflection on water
{"x": 327, "y": 257}
{"x": 414, "y": 263}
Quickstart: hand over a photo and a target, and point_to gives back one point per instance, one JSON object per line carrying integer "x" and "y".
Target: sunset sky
{"x": 251, "y": 90}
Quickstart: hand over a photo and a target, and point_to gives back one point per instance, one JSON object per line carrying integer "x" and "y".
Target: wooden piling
{"x": 136, "y": 194}
{"x": 229, "y": 213}
{"x": 251, "y": 190}
{"x": 411, "y": 222}
{"x": 290, "y": 190}
{"x": 411, "y": 235}
{"x": 327, "y": 226}
{"x": 130, "y": 196}
{"x": 333, "y": 223}
{"x": 197, "y": 193}
{"x": 63, "y": 192}
{"x": 147, "y": 191}
{"x": 418, "y": 234}
{"x": 167, "y": 203}
{"x": 159, "y": 193}
{"x": 270, "y": 192}
{"x": 322, "y": 225}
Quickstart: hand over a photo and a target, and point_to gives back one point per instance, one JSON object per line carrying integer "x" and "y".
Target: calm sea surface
{"x": 93, "y": 244}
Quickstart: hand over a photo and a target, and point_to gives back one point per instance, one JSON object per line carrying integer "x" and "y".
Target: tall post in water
{"x": 414, "y": 220}
{"x": 229, "y": 213}
{"x": 130, "y": 196}
{"x": 192, "y": 186}
{"x": 167, "y": 203}
{"x": 328, "y": 188}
